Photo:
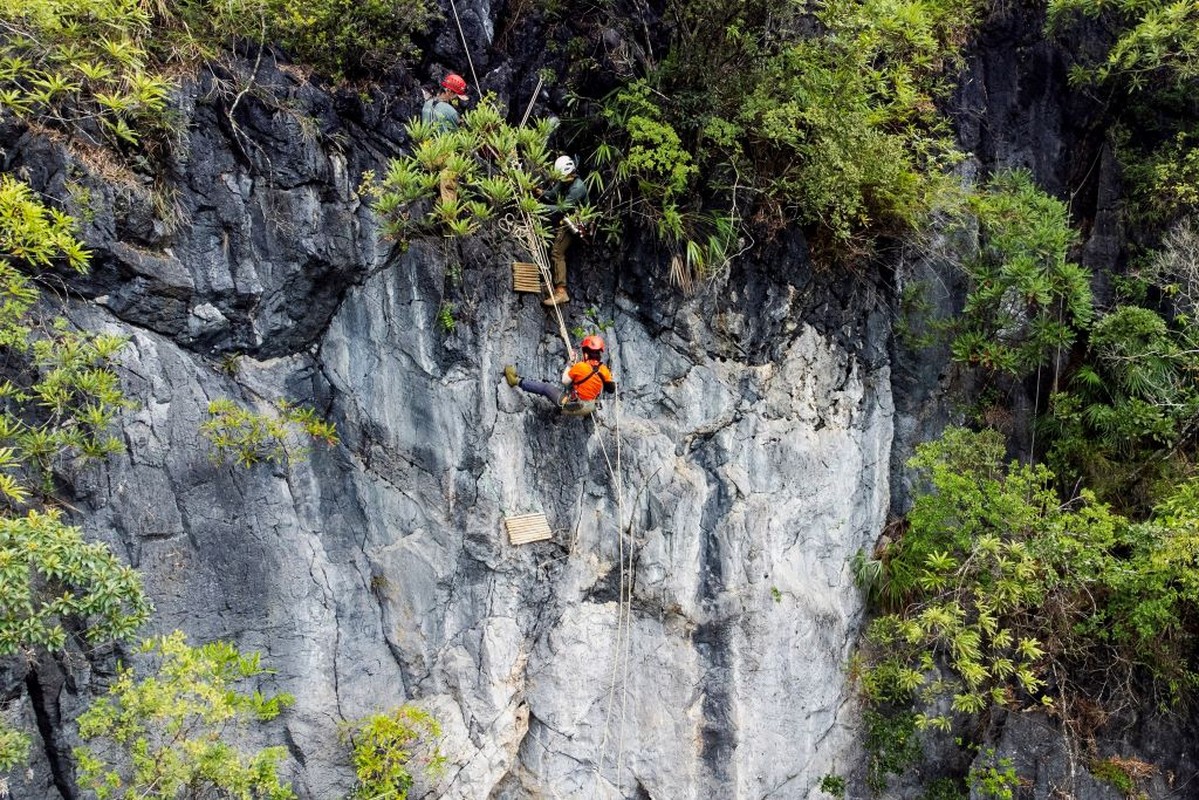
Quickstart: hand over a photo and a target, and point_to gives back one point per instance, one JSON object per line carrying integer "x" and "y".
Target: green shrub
{"x": 349, "y": 38}
{"x": 994, "y": 778}
{"x": 1026, "y": 302}
{"x": 892, "y": 745}
{"x": 61, "y": 392}
{"x": 498, "y": 172}
{"x": 247, "y": 438}
{"x": 833, "y": 785}
{"x": 179, "y": 731}
{"x": 65, "y": 64}
{"x": 385, "y": 746}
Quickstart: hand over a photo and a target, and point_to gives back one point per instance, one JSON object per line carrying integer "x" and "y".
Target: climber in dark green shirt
{"x": 439, "y": 112}
{"x": 438, "y": 109}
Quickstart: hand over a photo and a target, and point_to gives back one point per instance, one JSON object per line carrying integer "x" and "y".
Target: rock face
{"x": 685, "y": 631}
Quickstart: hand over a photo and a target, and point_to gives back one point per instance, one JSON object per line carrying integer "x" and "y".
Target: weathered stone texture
{"x": 744, "y": 462}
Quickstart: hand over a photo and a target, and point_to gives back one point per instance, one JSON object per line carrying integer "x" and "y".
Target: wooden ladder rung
{"x": 526, "y": 277}
{"x": 527, "y": 528}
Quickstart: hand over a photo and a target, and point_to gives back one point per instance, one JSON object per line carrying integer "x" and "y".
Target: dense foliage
{"x": 102, "y": 70}
{"x": 1000, "y": 595}
{"x": 48, "y": 574}
{"x": 770, "y": 113}
{"x": 181, "y": 731}
{"x": 385, "y": 748}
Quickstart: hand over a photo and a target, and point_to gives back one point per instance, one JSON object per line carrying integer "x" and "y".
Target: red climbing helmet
{"x": 455, "y": 84}
{"x": 593, "y": 342}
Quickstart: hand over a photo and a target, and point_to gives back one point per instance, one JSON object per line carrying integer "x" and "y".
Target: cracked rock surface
{"x": 721, "y": 494}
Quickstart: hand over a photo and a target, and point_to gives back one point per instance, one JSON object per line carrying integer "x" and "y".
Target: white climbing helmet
{"x": 565, "y": 165}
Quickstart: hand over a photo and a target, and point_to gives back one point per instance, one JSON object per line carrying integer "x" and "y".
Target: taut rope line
{"x": 465, "y": 47}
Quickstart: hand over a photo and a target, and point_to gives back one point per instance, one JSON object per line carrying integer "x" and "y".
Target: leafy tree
{"x": 1026, "y": 301}
{"x": 48, "y": 574}
{"x": 179, "y": 732}
{"x": 1000, "y": 595}
{"x": 385, "y": 747}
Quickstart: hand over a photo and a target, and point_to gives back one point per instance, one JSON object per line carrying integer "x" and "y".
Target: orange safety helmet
{"x": 593, "y": 342}
{"x": 455, "y": 83}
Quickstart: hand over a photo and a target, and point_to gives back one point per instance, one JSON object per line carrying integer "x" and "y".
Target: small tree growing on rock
{"x": 179, "y": 732}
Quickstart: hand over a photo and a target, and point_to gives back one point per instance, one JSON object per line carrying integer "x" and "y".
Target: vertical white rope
{"x": 532, "y": 100}
{"x": 465, "y": 47}
{"x": 616, "y": 648}
{"x": 624, "y": 612}
{"x": 626, "y": 579}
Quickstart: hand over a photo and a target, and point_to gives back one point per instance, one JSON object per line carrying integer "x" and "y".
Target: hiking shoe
{"x": 510, "y": 375}
{"x": 558, "y": 298}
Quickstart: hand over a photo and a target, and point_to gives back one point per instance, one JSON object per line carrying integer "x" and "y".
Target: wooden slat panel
{"x": 526, "y": 277}
{"x": 527, "y": 528}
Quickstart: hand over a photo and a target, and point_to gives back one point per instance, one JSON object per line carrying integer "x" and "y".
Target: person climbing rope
{"x": 439, "y": 109}
{"x": 566, "y": 194}
{"x": 440, "y": 112}
{"x": 582, "y": 382}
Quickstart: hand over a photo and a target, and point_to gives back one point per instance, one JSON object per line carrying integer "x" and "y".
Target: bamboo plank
{"x": 526, "y": 528}
{"x": 526, "y": 277}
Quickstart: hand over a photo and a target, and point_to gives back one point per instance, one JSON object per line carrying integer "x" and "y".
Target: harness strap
{"x": 575, "y": 384}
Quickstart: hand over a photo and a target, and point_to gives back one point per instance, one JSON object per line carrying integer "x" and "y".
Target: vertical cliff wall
{"x": 744, "y": 462}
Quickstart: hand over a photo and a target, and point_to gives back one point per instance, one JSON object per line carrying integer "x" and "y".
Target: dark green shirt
{"x": 566, "y": 194}
{"x": 443, "y": 115}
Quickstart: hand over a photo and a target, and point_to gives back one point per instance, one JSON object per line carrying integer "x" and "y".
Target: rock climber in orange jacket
{"x": 581, "y": 382}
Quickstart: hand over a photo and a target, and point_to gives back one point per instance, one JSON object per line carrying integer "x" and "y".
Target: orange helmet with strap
{"x": 593, "y": 342}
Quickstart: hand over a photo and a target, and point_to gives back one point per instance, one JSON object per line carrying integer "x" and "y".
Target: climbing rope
{"x": 465, "y": 47}
{"x": 624, "y": 610}
{"x": 524, "y": 230}
{"x": 532, "y": 101}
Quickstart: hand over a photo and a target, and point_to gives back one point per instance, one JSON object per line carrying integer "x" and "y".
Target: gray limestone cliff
{"x": 757, "y": 443}
{"x": 743, "y": 463}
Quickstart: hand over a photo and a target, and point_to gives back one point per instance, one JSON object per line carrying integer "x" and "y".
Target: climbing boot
{"x": 558, "y": 298}
{"x": 510, "y": 375}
